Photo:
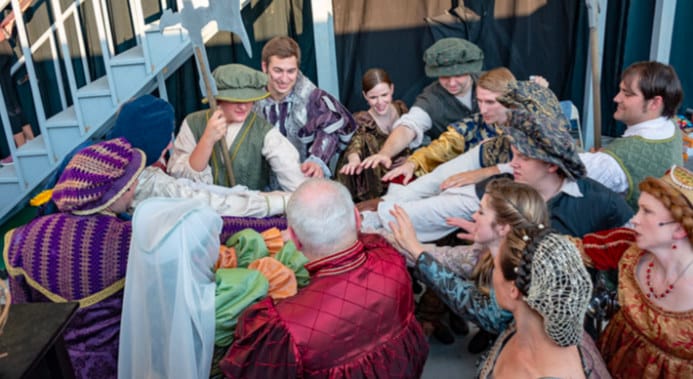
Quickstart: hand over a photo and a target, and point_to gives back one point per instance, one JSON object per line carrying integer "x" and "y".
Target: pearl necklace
{"x": 669, "y": 288}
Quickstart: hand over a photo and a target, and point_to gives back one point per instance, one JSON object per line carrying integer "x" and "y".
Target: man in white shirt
{"x": 456, "y": 63}
{"x": 650, "y": 93}
{"x": 315, "y": 122}
{"x": 256, "y": 148}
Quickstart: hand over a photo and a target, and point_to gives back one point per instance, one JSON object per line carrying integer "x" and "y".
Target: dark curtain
{"x": 545, "y": 37}
{"x": 612, "y": 63}
{"x": 521, "y": 35}
{"x": 681, "y": 53}
{"x": 390, "y": 34}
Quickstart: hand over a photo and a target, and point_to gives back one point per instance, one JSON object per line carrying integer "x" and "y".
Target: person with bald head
{"x": 334, "y": 327}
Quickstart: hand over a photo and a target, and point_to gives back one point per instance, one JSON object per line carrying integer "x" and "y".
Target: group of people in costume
{"x": 238, "y": 256}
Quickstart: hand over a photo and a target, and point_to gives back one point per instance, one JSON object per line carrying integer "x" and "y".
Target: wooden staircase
{"x": 139, "y": 70}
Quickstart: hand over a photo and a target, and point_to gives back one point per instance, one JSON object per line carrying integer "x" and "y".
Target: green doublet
{"x": 250, "y": 168}
{"x": 640, "y": 157}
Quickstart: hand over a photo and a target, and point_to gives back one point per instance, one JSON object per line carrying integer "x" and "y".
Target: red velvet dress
{"x": 354, "y": 320}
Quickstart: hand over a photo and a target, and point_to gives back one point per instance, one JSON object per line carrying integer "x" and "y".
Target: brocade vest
{"x": 250, "y": 168}
{"x": 640, "y": 157}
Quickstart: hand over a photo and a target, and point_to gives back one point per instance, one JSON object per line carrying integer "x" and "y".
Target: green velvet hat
{"x": 240, "y": 84}
{"x": 453, "y": 57}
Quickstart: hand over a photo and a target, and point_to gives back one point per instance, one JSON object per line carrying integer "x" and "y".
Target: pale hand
{"x": 540, "y": 80}
{"x": 469, "y": 226}
{"x": 216, "y": 128}
{"x": 463, "y": 178}
{"x": 376, "y": 159}
{"x": 406, "y": 169}
{"x": 311, "y": 170}
{"x": 404, "y": 233}
{"x": 353, "y": 167}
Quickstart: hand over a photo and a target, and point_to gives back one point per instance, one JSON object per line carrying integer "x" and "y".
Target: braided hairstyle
{"x": 681, "y": 210}
{"x": 516, "y": 258}
{"x": 517, "y": 205}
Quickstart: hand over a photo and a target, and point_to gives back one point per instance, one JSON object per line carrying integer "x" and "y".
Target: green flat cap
{"x": 453, "y": 57}
{"x": 239, "y": 83}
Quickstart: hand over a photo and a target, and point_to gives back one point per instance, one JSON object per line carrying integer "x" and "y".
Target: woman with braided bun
{"x": 539, "y": 277}
{"x": 461, "y": 275}
{"x": 651, "y": 334}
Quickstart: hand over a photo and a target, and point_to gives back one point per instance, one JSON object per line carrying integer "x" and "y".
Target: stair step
{"x": 10, "y": 188}
{"x": 131, "y": 56}
{"x": 8, "y": 174}
{"x": 96, "y": 88}
{"x": 64, "y": 132}
{"x": 32, "y": 148}
{"x": 63, "y": 119}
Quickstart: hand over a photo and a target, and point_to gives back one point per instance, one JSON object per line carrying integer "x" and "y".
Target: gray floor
{"x": 450, "y": 361}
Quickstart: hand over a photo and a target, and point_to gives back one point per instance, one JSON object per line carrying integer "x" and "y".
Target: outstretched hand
{"x": 376, "y": 159}
{"x": 353, "y": 167}
{"x": 311, "y": 170}
{"x": 406, "y": 170}
{"x": 404, "y": 233}
{"x": 469, "y": 177}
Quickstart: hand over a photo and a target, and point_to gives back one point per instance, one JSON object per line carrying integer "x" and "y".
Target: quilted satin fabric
{"x": 355, "y": 319}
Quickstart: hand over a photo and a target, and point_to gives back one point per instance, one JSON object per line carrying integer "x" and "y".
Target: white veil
{"x": 167, "y": 327}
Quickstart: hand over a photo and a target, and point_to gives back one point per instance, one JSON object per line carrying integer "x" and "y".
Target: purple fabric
{"x": 329, "y": 128}
{"x": 232, "y": 225}
{"x": 71, "y": 256}
{"x": 92, "y": 339}
{"x": 96, "y": 174}
{"x": 75, "y": 257}
{"x": 273, "y": 117}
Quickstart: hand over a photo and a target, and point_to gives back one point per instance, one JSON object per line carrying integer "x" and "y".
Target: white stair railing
{"x": 138, "y": 70}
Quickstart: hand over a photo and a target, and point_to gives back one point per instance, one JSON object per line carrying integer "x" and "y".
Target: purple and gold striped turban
{"x": 97, "y": 176}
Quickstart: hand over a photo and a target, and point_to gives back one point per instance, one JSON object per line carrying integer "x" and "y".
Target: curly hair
{"x": 681, "y": 210}
{"x": 517, "y": 205}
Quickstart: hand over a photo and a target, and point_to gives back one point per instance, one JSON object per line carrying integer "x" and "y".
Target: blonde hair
{"x": 496, "y": 80}
{"x": 517, "y": 205}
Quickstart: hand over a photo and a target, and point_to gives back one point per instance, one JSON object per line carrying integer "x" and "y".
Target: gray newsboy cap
{"x": 453, "y": 57}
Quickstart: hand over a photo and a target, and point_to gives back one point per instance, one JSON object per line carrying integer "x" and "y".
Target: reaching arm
{"x": 462, "y": 296}
{"x": 470, "y": 177}
{"x": 446, "y": 147}
{"x": 283, "y": 158}
{"x": 397, "y": 141}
